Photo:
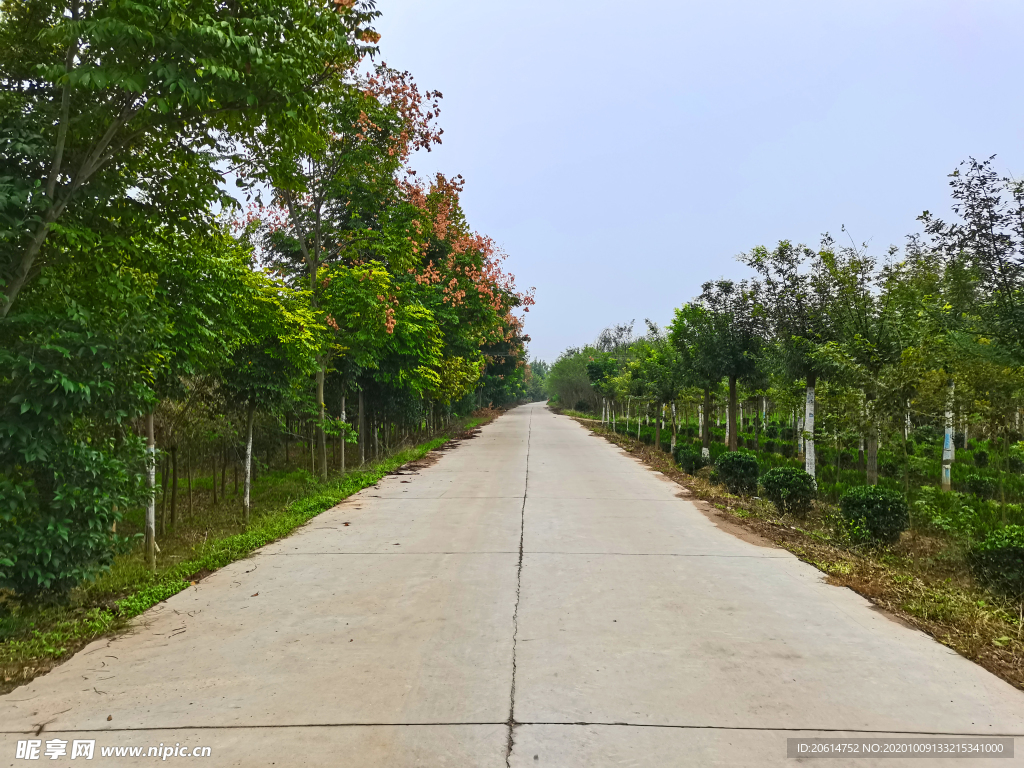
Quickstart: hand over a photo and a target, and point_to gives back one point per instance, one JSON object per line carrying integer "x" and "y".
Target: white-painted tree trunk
{"x": 151, "y": 482}
{"x": 809, "y": 463}
{"x": 948, "y": 447}
{"x": 247, "y": 486}
{"x": 672, "y": 445}
{"x": 343, "y": 435}
{"x": 700, "y": 421}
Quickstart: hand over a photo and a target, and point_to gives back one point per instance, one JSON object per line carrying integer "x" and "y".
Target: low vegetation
{"x": 965, "y": 594}
{"x": 35, "y": 636}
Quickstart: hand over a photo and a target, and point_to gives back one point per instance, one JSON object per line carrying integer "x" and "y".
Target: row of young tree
{"x": 150, "y": 319}
{"x": 904, "y": 370}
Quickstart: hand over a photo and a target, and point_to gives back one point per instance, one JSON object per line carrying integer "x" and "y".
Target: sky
{"x": 624, "y": 153}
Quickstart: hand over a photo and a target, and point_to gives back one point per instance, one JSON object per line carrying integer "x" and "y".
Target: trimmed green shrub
{"x": 981, "y": 458}
{"x": 690, "y": 458}
{"x": 998, "y": 561}
{"x": 791, "y": 490}
{"x": 1016, "y": 465}
{"x": 770, "y": 446}
{"x": 738, "y": 471}
{"x": 981, "y": 486}
{"x": 874, "y": 514}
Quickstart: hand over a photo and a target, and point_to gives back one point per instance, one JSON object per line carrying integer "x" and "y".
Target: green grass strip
{"x": 65, "y": 634}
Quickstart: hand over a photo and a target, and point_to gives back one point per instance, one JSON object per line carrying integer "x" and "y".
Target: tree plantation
{"x": 888, "y": 388}
{"x": 218, "y": 264}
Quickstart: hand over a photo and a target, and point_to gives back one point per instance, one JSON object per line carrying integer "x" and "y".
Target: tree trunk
{"x": 321, "y": 434}
{"x": 675, "y": 431}
{"x": 705, "y": 426}
{"x": 223, "y": 471}
{"x": 948, "y": 448}
{"x": 731, "y": 425}
{"x": 174, "y": 485}
{"x": 247, "y": 489}
{"x": 344, "y": 444}
{"x": 287, "y": 441}
{"x": 757, "y": 432}
{"x": 657, "y": 427}
{"x": 164, "y": 475}
{"x": 809, "y": 462}
{"x": 872, "y": 456}
{"x": 213, "y": 456}
{"x": 362, "y": 429}
{"x": 188, "y": 471}
{"x": 151, "y": 506}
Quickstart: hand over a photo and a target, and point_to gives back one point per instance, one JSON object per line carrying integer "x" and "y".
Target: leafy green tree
{"x": 738, "y": 338}
{"x": 135, "y": 103}
{"x": 796, "y": 305}
{"x": 280, "y": 349}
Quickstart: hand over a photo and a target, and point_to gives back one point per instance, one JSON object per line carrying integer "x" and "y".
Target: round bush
{"x": 1016, "y": 465}
{"x": 791, "y": 490}
{"x": 874, "y": 514}
{"x": 981, "y": 458}
{"x": 738, "y": 471}
{"x": 998, "y": 561}
{"x": 772, "y": 431}
{"x": 690, "y": 458}
{"x": 980, "y": 486}
{"x": 771, "y": 446}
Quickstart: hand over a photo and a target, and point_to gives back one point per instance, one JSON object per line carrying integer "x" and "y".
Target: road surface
{"x": 535, "y": 587}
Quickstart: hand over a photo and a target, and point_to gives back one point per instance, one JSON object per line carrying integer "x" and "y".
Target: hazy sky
{"x": 624, "y": 153}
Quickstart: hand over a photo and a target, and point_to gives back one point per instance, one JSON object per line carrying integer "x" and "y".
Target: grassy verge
{"x": 34, "y": 639}
{"x": 923, "y": 581}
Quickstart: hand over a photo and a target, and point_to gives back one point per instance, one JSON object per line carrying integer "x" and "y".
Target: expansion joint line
{"x": 515, "y": 611}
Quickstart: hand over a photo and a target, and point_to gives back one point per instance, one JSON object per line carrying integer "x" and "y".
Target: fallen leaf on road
{"x": 254, "y": 594}
{"x": 110, "y": 717}
{"x": 346, "y": 523}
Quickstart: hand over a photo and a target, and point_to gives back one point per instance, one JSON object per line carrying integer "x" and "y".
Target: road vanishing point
{"x": 535, "y": 597}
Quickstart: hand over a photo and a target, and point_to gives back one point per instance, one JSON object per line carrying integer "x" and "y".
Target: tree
{"x": 796, "y": 305}
{"x": 985, "y": 253}
{"x": 738, "y": 337}
{"x": 136, "y": 102}
{"x": 280, "y": 349}
{"x": 695, "y": 333}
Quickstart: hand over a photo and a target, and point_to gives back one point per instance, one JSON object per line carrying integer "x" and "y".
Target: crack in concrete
{"x": 770, "y": 729}
{"x": 515, "y": 612}
{"x": 756, "y": 728}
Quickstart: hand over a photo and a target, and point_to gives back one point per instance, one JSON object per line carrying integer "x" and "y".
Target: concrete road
{"x": 534, "y": 587}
